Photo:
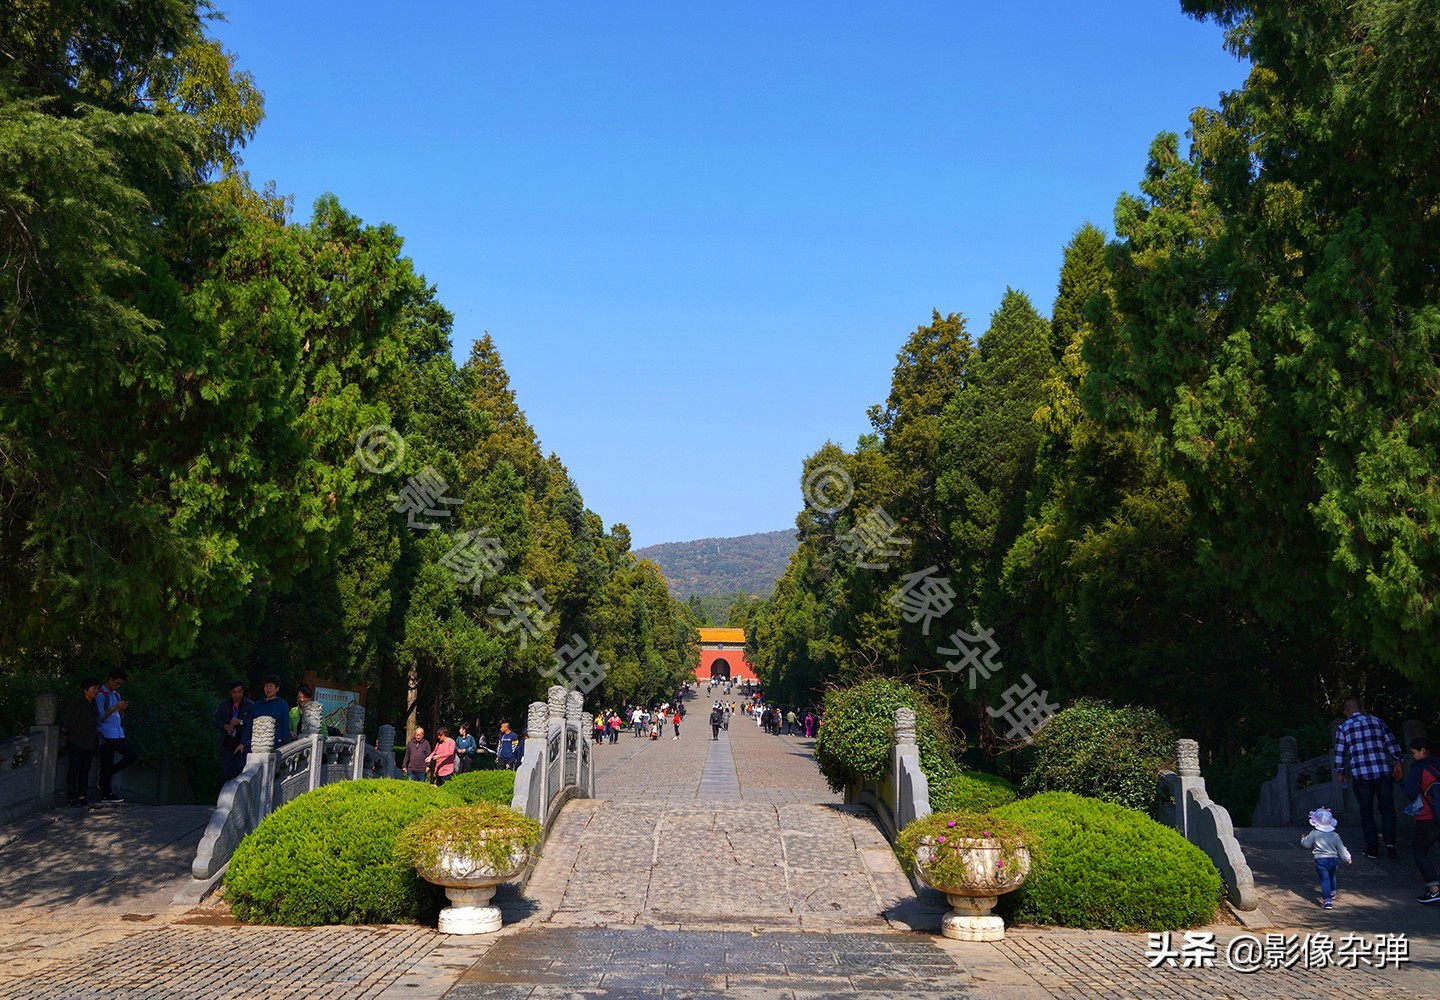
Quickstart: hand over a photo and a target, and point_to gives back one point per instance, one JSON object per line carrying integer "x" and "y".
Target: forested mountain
{"x": 721, "y": 567}
{"x": 1208, "y": 482}
{"x": 233, "y": 444}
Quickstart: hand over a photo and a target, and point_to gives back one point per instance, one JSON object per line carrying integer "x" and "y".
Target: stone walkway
{"x": 684, "y": 880}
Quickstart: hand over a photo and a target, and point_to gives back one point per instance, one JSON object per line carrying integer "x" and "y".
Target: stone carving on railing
{"x": 312, "y": 719}
{"x": 557, "y": 765}
{"x": 904, "y": 794}
{"x": 1206, "y": 824}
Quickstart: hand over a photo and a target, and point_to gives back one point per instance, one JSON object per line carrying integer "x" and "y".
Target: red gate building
{"x": 722, "y": 656}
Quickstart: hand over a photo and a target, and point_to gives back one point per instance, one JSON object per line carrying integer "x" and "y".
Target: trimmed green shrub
{"x": 482, "y": 786}
{"x": 859, "y": 733}
{"x": 972, "y": 791}
{"x": 329, "y": 858}
{"x": 1100, "y": 865}
{"x": 1097, "y": 750}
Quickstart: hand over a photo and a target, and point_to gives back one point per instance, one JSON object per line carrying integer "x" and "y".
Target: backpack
{"x": 1429, "y": 794}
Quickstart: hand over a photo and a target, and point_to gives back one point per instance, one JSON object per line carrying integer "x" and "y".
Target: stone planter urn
{"x": 987, "y": 877}
{"x": 470, "y": 883}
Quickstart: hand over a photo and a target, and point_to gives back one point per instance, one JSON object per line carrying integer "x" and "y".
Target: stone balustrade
{"x": 559, "y": 764}
{"x": 903, "y": 796}
{"x": 272, "y": 777}
{"x": 1205, "y": 823}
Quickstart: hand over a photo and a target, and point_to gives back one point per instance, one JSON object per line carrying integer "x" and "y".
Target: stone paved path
{"x": 702, "y": 830}
{"x": 685, "y": 880}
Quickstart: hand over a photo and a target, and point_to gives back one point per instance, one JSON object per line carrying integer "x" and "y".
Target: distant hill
{"x": 711, "y": 567}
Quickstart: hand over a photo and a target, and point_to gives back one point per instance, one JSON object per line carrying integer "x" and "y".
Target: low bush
{"x": 859, "y": 733}
{"x": 972, "y": 791}
{"x": 482, "y": 786}
{"x": 1101, "y": 865}
{"x": 1103, "y": 752}
{"x": 329, "y": 858}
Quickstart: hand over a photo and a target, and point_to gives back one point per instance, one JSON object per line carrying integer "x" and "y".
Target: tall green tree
{"x": 1279, "y": 303}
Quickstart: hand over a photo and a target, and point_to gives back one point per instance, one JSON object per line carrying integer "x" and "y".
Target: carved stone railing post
{"x": 1289, "y": 751}
{"x": 312, "y": 718}
{"x": 575, "y": 729}
{"x": 908, "y": 799}
{"x": 262, "y": 746}
{"x": 537, "y": 724}
{"x": 355, "y": 730}
{"x": 556, "y": 703}
{"x": 385, "y": 743}
{"x": 1187, "y": 770}
{"x": 45, "y": 741}
{"x": 904, "y": 727}
{"x": 1187, "y": 758}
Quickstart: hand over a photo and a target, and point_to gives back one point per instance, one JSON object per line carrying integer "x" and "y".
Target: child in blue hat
{"x": 1329, "y": 851}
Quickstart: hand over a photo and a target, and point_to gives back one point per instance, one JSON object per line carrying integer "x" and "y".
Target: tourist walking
{"x": 505, "y": 748}
{"x": 716, "y": 718}
{"x": 676, "y": 720}
{"x": 232, "y": 717}
{"x": 790, "y": 728}
{"x": 809, "y": 725}
{"x": 464, "y": 750}
{"x": 1368, "y": 755}
{"x": 442, "y": 758}
{"x": 417, "y": 751}
{"x": 113, "y": 748}
{"x": 79, "y": 726}
{"x": 1418, "y": 790}
{"x": 1328, "y": 850}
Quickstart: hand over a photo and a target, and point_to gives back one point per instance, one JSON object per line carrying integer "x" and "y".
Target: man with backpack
{"x": 1423, "y": 783}
{"x": 716, "y": 718}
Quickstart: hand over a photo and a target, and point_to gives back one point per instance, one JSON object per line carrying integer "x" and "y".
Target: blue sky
{"x": 699, "y": 231}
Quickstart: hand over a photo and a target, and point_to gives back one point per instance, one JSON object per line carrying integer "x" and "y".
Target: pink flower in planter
{"x": 951, "y": 824}
{"x": 941, "y": 838}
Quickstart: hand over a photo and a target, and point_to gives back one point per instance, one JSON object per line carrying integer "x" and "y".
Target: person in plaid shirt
{"x": 1367, "y": 753}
